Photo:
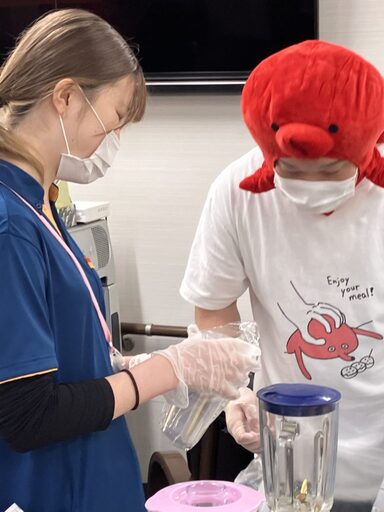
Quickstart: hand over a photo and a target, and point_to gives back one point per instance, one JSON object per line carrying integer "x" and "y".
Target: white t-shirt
{"x": 291, "y": 260}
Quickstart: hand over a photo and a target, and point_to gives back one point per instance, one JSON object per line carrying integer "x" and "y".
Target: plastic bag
{"x": 252, "y": 475}
{"x": 185, "y": 426}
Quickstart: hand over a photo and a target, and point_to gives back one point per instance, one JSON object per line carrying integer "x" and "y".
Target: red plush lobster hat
{"x": 313, "y": 100}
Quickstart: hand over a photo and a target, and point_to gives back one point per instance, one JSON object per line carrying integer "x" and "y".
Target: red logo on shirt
{"x": 338, "y": 343}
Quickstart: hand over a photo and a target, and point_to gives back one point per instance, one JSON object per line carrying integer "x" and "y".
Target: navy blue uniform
{"x": 48, "y": 322}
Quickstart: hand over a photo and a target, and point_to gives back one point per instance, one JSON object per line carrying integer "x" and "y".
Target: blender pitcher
{"x": 299, "y": 427}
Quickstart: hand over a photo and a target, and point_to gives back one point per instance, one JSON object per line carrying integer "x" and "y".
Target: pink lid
{"x": 219, "y": 496}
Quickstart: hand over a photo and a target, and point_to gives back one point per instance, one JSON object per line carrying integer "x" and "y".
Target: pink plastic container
{"x": 217, "y": 495}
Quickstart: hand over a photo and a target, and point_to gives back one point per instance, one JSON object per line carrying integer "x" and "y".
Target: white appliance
{"x": 94, "y": 241}
{"x": 89, "y": 211}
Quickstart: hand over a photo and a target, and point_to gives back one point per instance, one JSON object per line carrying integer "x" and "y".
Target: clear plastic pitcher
{"x": 299, "y": 429}
{"x": 185, "y": 426}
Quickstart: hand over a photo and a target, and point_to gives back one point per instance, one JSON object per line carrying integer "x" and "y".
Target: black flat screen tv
{"x": 186, "y": 40}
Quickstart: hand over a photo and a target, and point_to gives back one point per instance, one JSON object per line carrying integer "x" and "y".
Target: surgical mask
{"x": 316, "y": 196}
{"x": 86, "y": 170}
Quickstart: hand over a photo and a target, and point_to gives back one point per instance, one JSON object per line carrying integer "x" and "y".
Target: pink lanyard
{"x": 53, "y": 231}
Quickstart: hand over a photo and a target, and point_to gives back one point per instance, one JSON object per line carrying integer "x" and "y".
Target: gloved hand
{"x": 219, "y": 366}
{"x": 242, "y": 419}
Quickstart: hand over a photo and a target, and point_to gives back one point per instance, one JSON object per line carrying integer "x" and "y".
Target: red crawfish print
{"x": 340, "y": 342}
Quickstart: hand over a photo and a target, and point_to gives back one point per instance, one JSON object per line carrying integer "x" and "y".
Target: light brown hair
{"x": 70, "y": 43}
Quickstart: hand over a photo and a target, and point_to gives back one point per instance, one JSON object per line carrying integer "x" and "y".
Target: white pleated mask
{"x": 316, "y": 196}
{"x": 86, "y": 170}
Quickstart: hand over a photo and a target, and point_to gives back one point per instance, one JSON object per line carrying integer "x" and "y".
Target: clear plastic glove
{"x": 219, "y": 366}
{"x": 242, "y": 417}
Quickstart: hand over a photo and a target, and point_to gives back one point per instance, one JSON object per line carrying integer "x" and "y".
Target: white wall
{"x": 157, "y": 188}
{"x": 158, "y": 185}
{"x": 357, "y": 24}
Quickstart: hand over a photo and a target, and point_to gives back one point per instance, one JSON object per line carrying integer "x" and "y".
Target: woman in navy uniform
{"x": 66, "y": 90}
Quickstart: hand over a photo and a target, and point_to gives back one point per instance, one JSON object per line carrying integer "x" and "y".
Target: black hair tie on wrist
{"x": 137, "y": 396}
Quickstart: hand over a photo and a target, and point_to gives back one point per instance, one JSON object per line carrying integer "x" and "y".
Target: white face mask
{"x": 86, "y": 170}
{"x": 316, "y": 196}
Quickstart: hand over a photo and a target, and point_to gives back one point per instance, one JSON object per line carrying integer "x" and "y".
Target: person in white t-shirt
{"x": 298, "y": 221}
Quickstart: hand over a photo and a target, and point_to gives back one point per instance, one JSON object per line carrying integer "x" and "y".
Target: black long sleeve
{"x": 36, "y": 411}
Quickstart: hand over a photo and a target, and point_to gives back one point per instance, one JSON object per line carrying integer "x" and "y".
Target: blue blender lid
{"x": 298, "y": 399}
